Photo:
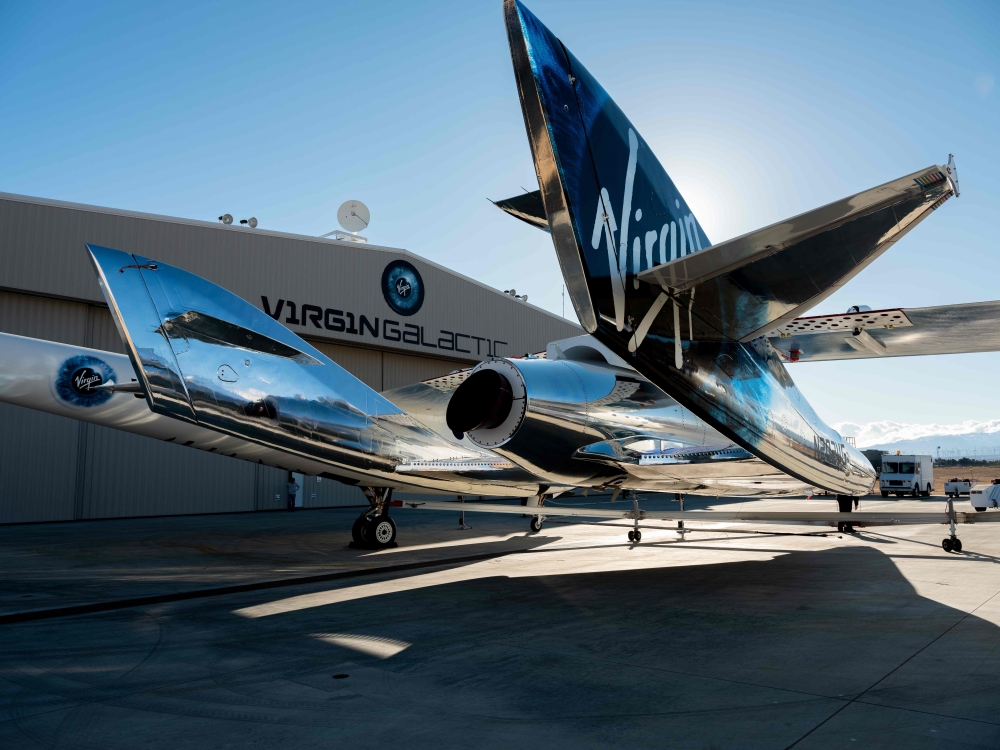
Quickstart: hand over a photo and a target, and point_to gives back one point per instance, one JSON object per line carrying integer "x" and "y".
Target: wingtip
{"x": 952, "y": 171}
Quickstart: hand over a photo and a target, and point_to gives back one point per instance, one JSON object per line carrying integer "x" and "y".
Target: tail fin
{"x": 613, "y": 211}
{"x": 628, "y": 242}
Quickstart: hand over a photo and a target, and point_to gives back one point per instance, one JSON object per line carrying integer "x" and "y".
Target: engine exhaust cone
{"x": 483, "y": 401}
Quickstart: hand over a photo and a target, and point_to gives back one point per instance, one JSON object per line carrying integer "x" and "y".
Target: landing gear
{"x": 635, "y": 535}
{"x": 381, "y": 531}
{"x": 373, "y": 529}
{"x": 537, "y": 502}
{"x": 951, "y": 543}
{"x": 844, "y": 505}
{"x": 359, "y": 523}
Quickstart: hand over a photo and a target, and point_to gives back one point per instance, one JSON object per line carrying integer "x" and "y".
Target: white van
{"x": 985, "y": 496}
{"x": 906, "y": 475}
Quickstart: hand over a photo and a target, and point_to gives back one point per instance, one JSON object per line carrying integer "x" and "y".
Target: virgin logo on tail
{"x": 683, "y": 235}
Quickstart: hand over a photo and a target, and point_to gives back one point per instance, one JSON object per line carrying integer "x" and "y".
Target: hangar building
{"x": 332, "y": 293}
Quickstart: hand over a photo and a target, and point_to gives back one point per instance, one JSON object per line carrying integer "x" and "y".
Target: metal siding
{"x": 270, "y": 487}
{"x": 130, "y": 475}
{"x": 41, "y": 318}
{"x": 43, "y": 249}
{"x": 329, "y": 493}
{"x": 401, "y": 369}
{"x": 102, "y": 332}
{"x": 38, "y": 454}
{"x": 364, "y": 364}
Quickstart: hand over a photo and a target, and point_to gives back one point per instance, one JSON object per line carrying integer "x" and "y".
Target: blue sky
{"x": 759, "y": 111}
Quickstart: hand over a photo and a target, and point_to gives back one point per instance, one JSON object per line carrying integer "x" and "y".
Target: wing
{"x": 948, "y": 329}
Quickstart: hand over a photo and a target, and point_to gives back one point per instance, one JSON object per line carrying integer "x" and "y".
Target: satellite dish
{"x": 226, "y": 218}
{"x": 253, "y": 222}
{"x": 353, "y": 216}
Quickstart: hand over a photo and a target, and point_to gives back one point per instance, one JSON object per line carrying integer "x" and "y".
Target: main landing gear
{"x": 373, "y": 529}
{"x": 536, "y": 521}
{"x": 951, "y": 543}
{"x": 635, "y": 536}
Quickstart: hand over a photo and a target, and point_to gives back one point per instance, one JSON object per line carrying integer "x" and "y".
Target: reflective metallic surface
{"x": 588, "y": 423}
{"x": 204, "y": 355}
{"x": 625, "y": 215}
{"x": 948, "y": 329}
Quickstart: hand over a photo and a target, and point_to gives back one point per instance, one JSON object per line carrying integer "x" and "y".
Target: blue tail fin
{"x": 613, "y": 210}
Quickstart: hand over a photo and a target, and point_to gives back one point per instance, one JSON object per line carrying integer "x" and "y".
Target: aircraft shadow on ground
{"x": 730, "y": 654}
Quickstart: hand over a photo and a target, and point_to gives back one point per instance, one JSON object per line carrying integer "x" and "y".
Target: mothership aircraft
{"x": 679, "y": 385}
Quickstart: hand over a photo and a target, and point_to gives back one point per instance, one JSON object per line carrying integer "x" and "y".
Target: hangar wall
{"x": 55, "y": 469}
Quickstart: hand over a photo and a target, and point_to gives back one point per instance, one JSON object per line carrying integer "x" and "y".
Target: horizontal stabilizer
{"x": 777, "y": 272}
{"x": 528, "y": 208}
{"x": 906, "y": 332}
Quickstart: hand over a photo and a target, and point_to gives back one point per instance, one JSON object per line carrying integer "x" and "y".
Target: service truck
{"x": 906, "y": 475}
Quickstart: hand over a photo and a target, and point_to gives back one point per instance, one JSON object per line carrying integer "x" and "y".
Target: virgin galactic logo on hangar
{"x": 403, "y": 290}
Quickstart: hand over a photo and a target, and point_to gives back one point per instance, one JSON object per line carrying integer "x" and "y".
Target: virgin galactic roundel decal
{"x": 78, "y": 378}
{"x": 402, "y": 287}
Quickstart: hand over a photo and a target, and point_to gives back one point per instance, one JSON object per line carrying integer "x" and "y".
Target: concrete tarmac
{"x": 494, "y": 637}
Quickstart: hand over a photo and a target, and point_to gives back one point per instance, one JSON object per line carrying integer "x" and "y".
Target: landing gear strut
{"x": 951, "y": 543}
{"x": 536, "y": 521}
{"x": 635, "y": 535}
{"x": 844, "y": 503}
{"x": 373, "y": 529}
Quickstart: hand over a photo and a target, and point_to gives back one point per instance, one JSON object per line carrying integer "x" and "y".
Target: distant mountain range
{"x": 973, "y": 439}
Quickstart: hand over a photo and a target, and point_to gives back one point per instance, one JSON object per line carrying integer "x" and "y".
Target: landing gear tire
{"x": 356, "y": 529}
{"x": 957, "y": 545}
{"x": 536, "y": 524}
{"x": 635, "y": 536}
{"x": 951, "y": 545}
{"x": 631, "y": 536}
{"x": 379, "y": 532}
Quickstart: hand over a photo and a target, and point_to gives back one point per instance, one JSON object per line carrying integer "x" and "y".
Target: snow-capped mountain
{"x": 970, "y": 438}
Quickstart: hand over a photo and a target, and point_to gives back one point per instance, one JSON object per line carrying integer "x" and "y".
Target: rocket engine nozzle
{"x": 483, "y": 401}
